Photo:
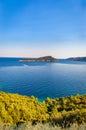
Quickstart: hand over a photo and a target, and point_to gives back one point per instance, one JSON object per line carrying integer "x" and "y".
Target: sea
{"x": 43, "y": 79}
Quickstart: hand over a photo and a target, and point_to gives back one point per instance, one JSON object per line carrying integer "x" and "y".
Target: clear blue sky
{"x": 32, "y": 28}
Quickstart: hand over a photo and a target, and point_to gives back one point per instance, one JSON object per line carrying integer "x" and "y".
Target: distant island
{"x": 40, "y": 59}
{"x": 77, "y": 59}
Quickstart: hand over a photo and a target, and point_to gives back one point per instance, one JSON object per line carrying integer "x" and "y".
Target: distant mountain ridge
{"x": 77, "y": 59}
{"x": 40, "y": 59}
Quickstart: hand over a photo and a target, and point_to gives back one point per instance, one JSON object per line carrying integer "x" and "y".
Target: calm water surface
{"x": 43, "y": 79}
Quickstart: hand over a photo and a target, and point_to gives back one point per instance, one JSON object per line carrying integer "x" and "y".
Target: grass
{"x": 40, "y": 126}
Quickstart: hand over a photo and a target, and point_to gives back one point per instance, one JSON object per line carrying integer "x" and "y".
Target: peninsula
{"x": 40, "y": 59}
{"x": 83, "y": 59}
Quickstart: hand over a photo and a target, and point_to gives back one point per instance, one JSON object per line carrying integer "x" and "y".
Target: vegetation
{"x": 40, "y": 59}
{"x": 40, "y": 126}
{"x": 64, "y": 112}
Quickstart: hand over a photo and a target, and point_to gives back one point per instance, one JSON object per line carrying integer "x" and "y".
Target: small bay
{"x": 42, "y": 80}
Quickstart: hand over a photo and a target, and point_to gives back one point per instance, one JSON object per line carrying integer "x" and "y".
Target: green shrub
{"x": 15, "y": 109}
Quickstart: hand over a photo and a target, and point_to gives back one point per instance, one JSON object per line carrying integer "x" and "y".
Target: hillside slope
{"x": 16, "y": 109}
{"x": 77, "y": 59}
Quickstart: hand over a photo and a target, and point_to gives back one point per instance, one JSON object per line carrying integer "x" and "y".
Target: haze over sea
{"x": 42, "y": 80}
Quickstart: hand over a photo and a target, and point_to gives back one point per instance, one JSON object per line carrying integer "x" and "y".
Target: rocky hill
{"x": 40, "y": 59}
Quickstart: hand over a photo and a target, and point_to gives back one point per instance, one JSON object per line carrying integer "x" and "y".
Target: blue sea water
{"x": 43, "y": 80}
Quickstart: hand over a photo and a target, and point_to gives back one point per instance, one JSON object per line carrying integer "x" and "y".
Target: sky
{"x": 34, "y": 28}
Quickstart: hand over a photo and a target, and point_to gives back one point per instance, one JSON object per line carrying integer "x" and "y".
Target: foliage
{"x": 17, "y": 109}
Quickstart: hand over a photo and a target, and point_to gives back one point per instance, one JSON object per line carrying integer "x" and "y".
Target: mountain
{"x": 40, "y": 59}
{"x": 77, "y": 59}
